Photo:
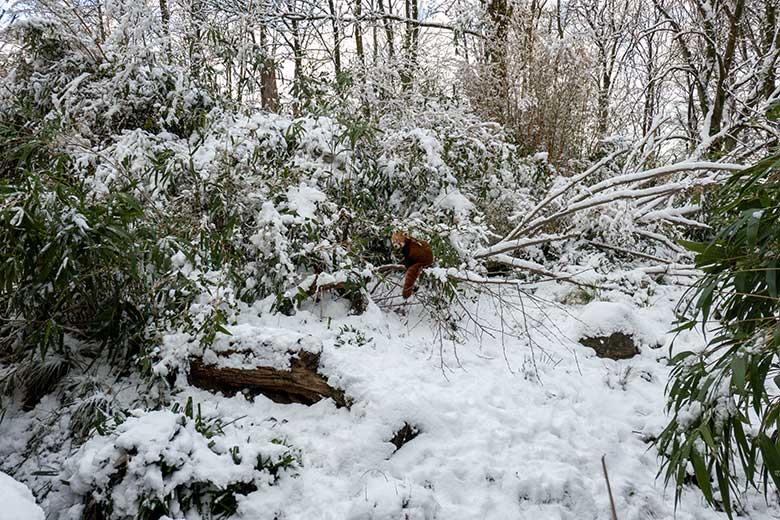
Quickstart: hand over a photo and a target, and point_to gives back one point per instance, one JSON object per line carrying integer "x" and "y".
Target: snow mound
{"x": 458, "y": 203}
{"x": 605, "y": 318}
{"x": 303, "y": 200}
{"x": 169, "y": 457}
{"x": 18, "y": 501}
{"x": 249, "y": 346}
{"x": 384, "y": 497}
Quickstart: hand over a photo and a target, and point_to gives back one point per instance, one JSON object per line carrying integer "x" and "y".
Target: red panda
{"x": 417, "y": 255}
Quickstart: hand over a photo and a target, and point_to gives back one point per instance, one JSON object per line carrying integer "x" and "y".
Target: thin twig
{"x": 609, "y": 488}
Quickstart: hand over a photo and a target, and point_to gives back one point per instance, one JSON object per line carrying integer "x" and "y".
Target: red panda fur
{"x": 417, "y": 256}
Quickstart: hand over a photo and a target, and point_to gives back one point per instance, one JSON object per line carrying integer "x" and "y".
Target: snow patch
{"x": 303, "y": 200}
{"x": 17, "y": 501}
{"x": 250, "y": 346}
{"x": 605, "y": 318}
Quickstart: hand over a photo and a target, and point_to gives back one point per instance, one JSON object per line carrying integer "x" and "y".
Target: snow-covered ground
{"x": 17, "y": 501}
{"x": 506, "y": 431}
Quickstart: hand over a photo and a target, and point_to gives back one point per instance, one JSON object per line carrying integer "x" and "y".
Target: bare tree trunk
{"x": 298, "y": 69}
{"x": 558, "y": 21}
{"x": 603, "y": 94}
{"x": 692, "y": 125}
{"x": 165, "y": 16}
{"x": 406, "y": 72}
{"x": 415, "y": 32}
{"x": 724, "y": 69}
{"x": 359, "y": 32}
{"x": 374, "y": 39}
{"x": 268, "y": 92}
{"x": 336, "y": 38}
{"x": 771, "y": 37}
{"x": 101, "y": 27}
{"x": 499, "y": 12}
{"x": 388, "y": 29}
{"x": 649, "y": 114}
{"x": 195, "y": 41}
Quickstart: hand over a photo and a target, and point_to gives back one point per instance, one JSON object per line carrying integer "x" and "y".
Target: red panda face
{"x": 398, "y": 239}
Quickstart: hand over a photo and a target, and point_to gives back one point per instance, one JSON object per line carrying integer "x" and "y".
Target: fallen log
{"x": 300, "y": 384}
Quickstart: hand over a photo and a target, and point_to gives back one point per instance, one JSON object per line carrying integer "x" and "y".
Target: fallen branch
{"x": 672, "y": 269}
{"x": 659, "y": 238}
{"x": 574, "y": 182}
{"x": 663, "y": 189}
{"x": 609, "y": 488}
{"x": 535, "y": 268}
{"x": 601, "y": 245}
{"x": 655, "y": 173}
{"x": 594, "y": 196}
{"x": 512, "y": 245}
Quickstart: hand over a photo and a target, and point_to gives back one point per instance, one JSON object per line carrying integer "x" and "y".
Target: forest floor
{"x": 506, "y": 429}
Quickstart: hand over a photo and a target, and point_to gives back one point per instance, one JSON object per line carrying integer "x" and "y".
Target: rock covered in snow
{"x": 615, "y": 346}
{"x": 17, "y": 501}
{"x": 615, "y": 330}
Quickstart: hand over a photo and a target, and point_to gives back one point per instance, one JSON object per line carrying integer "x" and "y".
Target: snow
{"x": 178, "y": 259}
{"x": 430, "y": 145}
{"x": 17, "y": 501}
{"x": 605, "y": 318}
{"x": 158, "y": 452}
{"x": 303, "y": 200}
{"x": 507, "y": 430}
{"x": 250, "y": 346}
{"x": 499, "y": 439}
{"x": 456, "y": 202}
{"x": 660, "y": 172}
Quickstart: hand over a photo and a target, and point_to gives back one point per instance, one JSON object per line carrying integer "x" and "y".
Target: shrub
{"x": 175, "y": 463}
{"x": 723, "y": 401}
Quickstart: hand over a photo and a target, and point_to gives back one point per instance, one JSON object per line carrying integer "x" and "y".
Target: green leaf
{"x": 771, "y": 278}
{"x": 696, "y": 247}
{"x": 738, "y": 373}
{"x": 680, "y": 356}
{"x": 706, "y": 434}
{"x": 702, "y": 475}
{"x": 723, "y": 486}
{"x": 223, "y": 330}
{"x": 744, "y": 449}
{"x": 705, "y": 300}
{"x": 771, "y": 458}
{"x": 753, "y": 222}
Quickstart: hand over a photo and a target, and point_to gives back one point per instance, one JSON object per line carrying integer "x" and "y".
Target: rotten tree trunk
{"x": 301, "y": 384}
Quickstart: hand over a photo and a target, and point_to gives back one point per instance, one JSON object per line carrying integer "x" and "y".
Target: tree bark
{"x": 359, "y": 32}
{"x": 300, "y": 384}
{"x": 771, "y": 37}
{"x": 268, "y": 92}
{"x": 603, "y": 95}
{"x": 297, "y": 69}
{"x": 406, "y": 68}
{"x": 723, "y": 71}
{"x": 388, "y": 30}
{"x": 499, "y": 12}
{"x": 165, "y": 16}
{"x": 649, "y": 113}
{"x": 336, "y": 39}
